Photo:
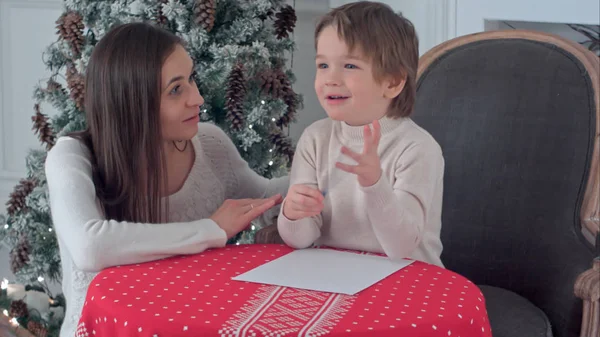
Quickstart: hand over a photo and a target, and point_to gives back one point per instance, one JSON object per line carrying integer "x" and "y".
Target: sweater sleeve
{"x": 95, "y": 242}
{"x": 242, "y": 182}
{"x": 398, "y": 212}
{"x": 302, "y": 233}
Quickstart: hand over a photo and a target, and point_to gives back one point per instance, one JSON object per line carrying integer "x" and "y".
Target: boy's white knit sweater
{"x": 400, "y": 215}
{"x": 89, "y": 242}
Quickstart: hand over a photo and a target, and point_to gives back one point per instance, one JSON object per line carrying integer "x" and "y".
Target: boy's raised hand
{"x": 368, "y": 168}
{"x": 302, "y": 202}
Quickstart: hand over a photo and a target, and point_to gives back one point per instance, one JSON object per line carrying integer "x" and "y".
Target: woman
{"x": 145, "y": 181}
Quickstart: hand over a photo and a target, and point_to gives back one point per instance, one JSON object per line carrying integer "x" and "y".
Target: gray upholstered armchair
{"x": 517, "y": 114}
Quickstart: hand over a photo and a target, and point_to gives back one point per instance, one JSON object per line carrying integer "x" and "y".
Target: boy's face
{"x": 344, "y": 82}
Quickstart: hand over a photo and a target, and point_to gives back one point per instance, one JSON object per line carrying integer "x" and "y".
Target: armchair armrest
{"x": 268, "y": 234}
{"x": 9, "y": 330}
{"x": 587, "y": 287}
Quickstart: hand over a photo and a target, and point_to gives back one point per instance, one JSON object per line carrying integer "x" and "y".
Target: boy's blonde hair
{"x": 387, "y": 39}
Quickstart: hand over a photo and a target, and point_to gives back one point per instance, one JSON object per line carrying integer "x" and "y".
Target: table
{"x": 195, "y": 296}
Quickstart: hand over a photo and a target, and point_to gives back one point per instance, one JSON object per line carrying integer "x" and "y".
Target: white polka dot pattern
{"x": 195, "y": 296}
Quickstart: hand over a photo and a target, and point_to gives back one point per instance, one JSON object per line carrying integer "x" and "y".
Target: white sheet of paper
{"x": 324, "y": 270}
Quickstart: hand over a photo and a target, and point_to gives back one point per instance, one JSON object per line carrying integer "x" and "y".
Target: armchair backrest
{"x": 517, "y": 115}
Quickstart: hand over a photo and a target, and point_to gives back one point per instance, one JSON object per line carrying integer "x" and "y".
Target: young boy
{"x": 366, "y": 178}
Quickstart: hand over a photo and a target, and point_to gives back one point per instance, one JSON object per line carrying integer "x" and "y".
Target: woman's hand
{"x": 235, "y": 215}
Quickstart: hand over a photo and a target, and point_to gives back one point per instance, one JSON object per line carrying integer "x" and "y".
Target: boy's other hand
{"x": 302, "y": 202}
{"x": 368, "y": 168}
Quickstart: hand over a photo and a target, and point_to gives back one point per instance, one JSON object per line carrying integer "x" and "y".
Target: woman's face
{"x": 180, "y": 100}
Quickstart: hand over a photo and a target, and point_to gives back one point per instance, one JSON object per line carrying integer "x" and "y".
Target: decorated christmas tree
{"x": 240, "y": 49}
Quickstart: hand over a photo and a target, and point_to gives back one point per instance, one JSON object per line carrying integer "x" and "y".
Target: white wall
{"x": 439, "y": 20}
{"x": 560, "y": 29}
{"x": 26, "y": 28}
{"x": 308, "y": 12}
{"x": 433, "y": 19}
{"x": 471, "y": 14}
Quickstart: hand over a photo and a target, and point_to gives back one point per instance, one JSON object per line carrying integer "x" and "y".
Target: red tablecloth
{"x": 195, "y": 296}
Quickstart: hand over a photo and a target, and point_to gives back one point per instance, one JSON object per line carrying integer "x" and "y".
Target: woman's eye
{"x": 175, "y": 90}
{"x": 193, "y": 76}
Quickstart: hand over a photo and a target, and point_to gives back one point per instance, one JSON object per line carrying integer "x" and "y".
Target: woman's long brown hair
{"x": 122, "y": 106}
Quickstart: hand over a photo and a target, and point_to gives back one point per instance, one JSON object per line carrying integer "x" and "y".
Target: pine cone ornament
{"x": 267, "y": 15}
{"x": 76, "y": 83}
{"x": 42, "y": 128}
{"x": 18, "y": 309}
{"x": 16, "y": 200}
{"x": 161, "y": 19}
{"x": 274, "y": 83}
{"x": 204, "y": 14}
{"x": 282, "y": 144}
{"x": 70, "y": 28}
{"x": 19, "y": 255}
{"x": 37, "y": 329}
{"x": 234, "y": 97}
{"x": 290, "y": 100}
{"x": 285, "y": 22}
{"x": 53, "y": 86}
